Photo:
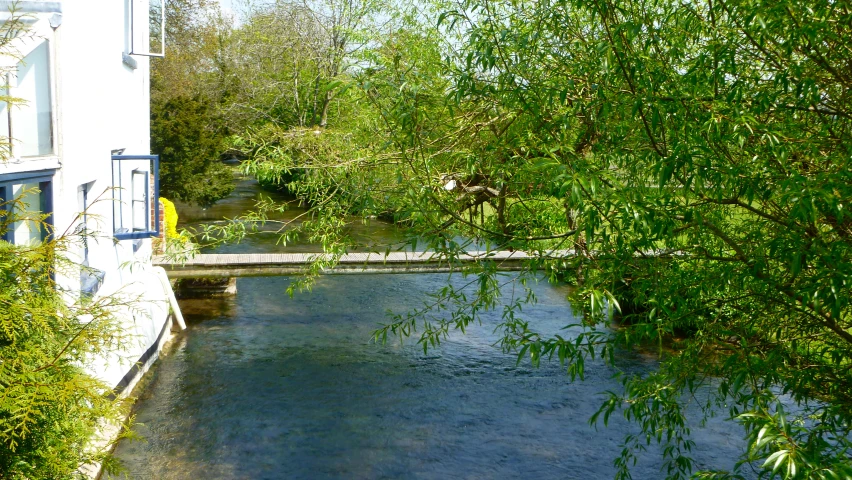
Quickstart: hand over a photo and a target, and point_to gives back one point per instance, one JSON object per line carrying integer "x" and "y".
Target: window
{"x": 139, "y": 204}
{"x": 83, "y": 205}
{"x": 91, "y": 279}
{"x": 27, "y": 197}
{"x": 147, "y": 27}
{"x": 136, "y": 189}
{"x": 26, "y": 129}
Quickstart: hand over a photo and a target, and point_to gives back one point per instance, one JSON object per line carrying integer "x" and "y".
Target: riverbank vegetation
{"x": 188, "y": 130}
{"x": 51, "y": 408}
{"x": 693, "y": 158}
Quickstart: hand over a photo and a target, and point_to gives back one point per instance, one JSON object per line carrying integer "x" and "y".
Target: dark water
{"x": 262, "y": 386}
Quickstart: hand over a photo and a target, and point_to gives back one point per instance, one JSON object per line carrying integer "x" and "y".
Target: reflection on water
{"x": 262, "y": 386}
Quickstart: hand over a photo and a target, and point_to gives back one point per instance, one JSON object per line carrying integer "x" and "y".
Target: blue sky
{"x": 227, "y": 5}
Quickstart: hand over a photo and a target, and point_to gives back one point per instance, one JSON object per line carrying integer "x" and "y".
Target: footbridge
{"x": 218, "y": 265}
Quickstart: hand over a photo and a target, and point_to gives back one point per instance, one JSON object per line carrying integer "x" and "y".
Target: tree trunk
{"x": 314, "y": 105}
{"x": 326, "y": 101}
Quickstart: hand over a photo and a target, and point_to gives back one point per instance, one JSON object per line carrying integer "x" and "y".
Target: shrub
{"x": 189, "y": 147}
{"x": 50, "y": 407}
{"x": 171, "y": 219}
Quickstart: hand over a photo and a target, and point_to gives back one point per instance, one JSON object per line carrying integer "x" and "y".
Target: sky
{"x": 227, "y": 6}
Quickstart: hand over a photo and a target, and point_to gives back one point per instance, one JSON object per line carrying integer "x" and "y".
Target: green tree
{"x": 700, "y": 156}
{"x": 190, "y": 169}
{"x": 346, "y": 27}
{"x": 50, "y": 407}
{"x": 188, "y": 125}
{"x": 695, "y": 159}
{"x": 288, "y": 59}
{"x": 272, "y": 66}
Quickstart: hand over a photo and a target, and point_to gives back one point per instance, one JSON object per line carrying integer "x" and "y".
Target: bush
{"x": 171, "y": 219}
{"x": 50, "y": 407}
{"x": 189, "y": 149}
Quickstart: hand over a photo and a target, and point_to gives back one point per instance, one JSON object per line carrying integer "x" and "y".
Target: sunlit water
{"x": 263, "y": 386}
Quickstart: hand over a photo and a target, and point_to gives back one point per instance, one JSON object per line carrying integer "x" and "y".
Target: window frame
{"x": 83, "y": 191}
{"x": 147, "y": 51}
{"x": 91, "y": 279}
{"x": 146, "y": 200}
{"x": 44, "y": 178}
{"x": 22, "y": 48}
{"x": 155, "y": 163}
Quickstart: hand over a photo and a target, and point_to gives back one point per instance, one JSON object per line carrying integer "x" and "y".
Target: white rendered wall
{"x": 104, "y": 106}
{"x": 100, "y": 105}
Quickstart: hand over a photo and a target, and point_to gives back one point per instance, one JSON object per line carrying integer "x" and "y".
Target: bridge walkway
{"x": 270, "y": 264}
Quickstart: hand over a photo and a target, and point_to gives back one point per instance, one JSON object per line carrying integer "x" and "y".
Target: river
{"x": 263, "y": 386}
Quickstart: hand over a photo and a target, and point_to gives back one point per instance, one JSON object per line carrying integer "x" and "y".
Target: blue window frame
{"x": 91, "y": 279}
{"x": 136, "y": 206}
{"x": 35, "y": 189}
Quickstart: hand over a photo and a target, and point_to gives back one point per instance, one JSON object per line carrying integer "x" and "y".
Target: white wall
{"x": 104, "y": 106}
{"x": 100, "y": 104}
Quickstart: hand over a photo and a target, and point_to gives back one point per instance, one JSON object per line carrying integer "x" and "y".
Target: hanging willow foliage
{"x": 695, "y": 157}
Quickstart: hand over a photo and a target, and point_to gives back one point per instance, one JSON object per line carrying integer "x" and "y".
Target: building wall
{"x": 101, "y": 104}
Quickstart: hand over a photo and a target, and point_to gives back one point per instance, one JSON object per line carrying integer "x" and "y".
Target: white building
{"x": 80, "y": 142}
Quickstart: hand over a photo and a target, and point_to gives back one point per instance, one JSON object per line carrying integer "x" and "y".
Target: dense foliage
{"x": 190, "y": 169}
{"x": 700, "y": 154}
{"x": 188, "y": 130}
{"x": 50, "y": 407}
{"x": 689, "y": 162}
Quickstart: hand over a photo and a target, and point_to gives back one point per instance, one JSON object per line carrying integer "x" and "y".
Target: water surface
{"x": 263, "y": 386}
